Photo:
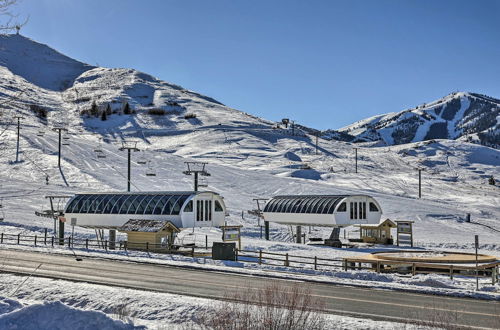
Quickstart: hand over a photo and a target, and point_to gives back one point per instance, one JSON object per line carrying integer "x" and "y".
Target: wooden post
{"x": 69, "y": 241}
{"x": 378, "y": 266}
{"x": 315, "y": 263}
{"x": 287, "y": 263}
{"x": 45, "y": 237}
{"x": 18, "y": 239}
{"x": 206, "y": 242}
{"x": 35, "y": 240}
{"x": 125, "y": 245}
{"x": 413, "y": 269}
{"x": 451, "y": 271}
{"x": 106, "y": 245}
{"x": 266, "y": 230}
{"x": 87, "y": 243}
{"x": 260, "y": 257}
{"x": 192, "y": 252}
{"x": 1, "y": 238}
{"x": 52, "y": 241}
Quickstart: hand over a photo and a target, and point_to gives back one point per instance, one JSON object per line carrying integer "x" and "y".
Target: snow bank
{"x": 54, "y": 315}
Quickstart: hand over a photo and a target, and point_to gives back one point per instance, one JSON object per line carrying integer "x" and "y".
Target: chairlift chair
{"x": 142, "y": 160}
{"x": 2, "y": 213}
{"x": 150, "y": 171}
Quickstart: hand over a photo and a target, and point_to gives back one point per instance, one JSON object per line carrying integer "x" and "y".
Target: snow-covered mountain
{"x": 248, "y": 157}
{"x": 58, "y": 89}
{"x": 466, "y": 116}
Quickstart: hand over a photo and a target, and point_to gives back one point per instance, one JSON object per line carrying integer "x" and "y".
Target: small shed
{"x": 149, "y": 234}
{"x": 377, "y": 233}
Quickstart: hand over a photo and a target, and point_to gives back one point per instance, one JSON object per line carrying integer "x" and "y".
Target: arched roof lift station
{"x": 335, "y": 211}
{"x": 112, "y": 210}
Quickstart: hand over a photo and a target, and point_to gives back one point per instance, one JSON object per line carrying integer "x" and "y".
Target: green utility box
{"x": 224, "y": 251}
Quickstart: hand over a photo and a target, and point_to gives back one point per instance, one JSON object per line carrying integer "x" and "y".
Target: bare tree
{"x": 11, "y": 19}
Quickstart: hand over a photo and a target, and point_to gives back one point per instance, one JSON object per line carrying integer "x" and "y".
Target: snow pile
{"x": 55, "y": 315}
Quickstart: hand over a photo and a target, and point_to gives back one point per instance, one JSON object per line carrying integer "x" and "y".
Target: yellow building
{"x": 149, "y": 234}
{"x": 377, "y": 233}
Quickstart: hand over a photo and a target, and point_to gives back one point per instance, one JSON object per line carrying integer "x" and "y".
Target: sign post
{"x": 476, "y": 243}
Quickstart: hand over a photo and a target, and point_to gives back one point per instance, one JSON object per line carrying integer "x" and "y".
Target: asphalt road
{"x": 338, "y": 299}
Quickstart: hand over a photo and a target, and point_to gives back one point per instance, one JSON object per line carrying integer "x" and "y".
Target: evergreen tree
{"x": 94, "y": 110}
{"x": 492, "y": 181}
{"x": 126, "y": 109}
{"x": 104, "y": 116}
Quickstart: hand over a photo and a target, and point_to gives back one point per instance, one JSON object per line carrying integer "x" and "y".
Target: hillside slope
{"x": 467, "y": 116}
{"x": 248, "y": 158}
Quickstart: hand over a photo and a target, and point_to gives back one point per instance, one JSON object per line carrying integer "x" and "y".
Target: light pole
{"x": 419, "y": 182}
{"x": 129, "y": 146}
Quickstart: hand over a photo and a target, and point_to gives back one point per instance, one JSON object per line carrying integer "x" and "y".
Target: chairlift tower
{"x": 196, "y": 168}
{"x": 129, "y": 146}
{"x": 18, "y": 135}
{"x": 59, "y": 129}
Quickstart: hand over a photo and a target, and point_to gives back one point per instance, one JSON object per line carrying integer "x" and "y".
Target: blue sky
{"x": 324, "y": 63}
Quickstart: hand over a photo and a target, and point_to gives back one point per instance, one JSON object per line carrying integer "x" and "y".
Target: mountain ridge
{"x": 465, "y": 116}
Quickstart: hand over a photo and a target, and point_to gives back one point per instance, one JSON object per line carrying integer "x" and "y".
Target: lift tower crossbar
{"x": 196, "y": 168}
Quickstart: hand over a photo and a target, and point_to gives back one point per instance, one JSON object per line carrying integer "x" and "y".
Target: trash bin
{"x": 224, "y": 251}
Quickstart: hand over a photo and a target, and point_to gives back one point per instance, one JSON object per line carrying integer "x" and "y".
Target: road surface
{"x": 353, "y": 301}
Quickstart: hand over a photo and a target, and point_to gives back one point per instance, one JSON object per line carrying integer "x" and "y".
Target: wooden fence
{"x": 262, "y": 257}
{"x": 287, "y": 260}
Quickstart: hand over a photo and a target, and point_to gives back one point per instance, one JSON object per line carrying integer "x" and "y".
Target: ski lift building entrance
{"x": 112, "y": 210}
{"x": 335, "y": 211}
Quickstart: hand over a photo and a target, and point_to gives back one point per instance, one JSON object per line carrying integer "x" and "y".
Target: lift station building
{"x": 114, "y": 209}
{"x": 322, "y": 210}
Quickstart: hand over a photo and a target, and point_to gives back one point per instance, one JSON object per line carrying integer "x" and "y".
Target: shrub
{"x": 190, "y": 116}
{"x": 157, "y": 112}
{"x": 276, "y": 306}
{"x": 39, "y": 111}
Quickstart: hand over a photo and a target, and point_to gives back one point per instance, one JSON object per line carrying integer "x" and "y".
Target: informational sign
{"x": 73, "y": 221}
{"x": 231, "y": 234}
{"x": 405, "y": 232}
{"x": 404, "y": 227}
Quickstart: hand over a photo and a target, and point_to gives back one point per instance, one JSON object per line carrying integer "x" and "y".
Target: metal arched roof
{"x": 159, "y": 203}
{"x": 312, "y": 204}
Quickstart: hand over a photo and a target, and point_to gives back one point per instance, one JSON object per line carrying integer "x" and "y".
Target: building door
{"x": 357, "y": 210}
{"x": 203, "y": 210}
